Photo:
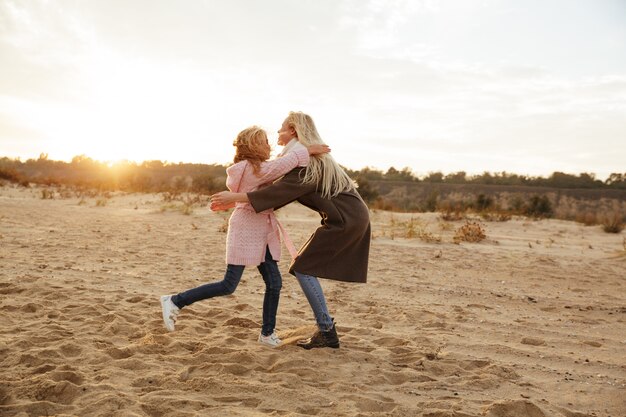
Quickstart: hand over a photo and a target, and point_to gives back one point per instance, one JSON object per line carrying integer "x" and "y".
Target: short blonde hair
{"x": 249, "y": 147}
{"x": 322, "y": 170}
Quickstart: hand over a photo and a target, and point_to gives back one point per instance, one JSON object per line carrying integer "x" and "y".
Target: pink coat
{"x": 250, "y": 233}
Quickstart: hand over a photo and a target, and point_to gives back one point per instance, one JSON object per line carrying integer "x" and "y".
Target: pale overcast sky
{"x": 529, "y": 87}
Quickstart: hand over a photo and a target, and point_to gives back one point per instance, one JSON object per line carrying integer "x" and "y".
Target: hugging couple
{"x": 337, "y": 250}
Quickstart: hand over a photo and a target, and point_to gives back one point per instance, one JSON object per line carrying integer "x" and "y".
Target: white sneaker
{"x": 271, "y": 340}
{"x": 170, "y": 312}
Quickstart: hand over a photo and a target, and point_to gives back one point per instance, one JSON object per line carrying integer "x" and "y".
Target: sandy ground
{"x": 529, "y": 322}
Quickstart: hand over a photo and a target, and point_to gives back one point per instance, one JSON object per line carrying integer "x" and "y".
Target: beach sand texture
{"x": 528, "y": 322}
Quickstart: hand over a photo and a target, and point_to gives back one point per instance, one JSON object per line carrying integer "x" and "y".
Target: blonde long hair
{"x": 322, "y": 170}
{"x": 251, "y": 145}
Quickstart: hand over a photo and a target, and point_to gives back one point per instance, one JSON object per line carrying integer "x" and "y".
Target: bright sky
{"x": 529, "y": 87}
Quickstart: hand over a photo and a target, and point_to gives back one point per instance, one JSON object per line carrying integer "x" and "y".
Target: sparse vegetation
{"x": 469, "y": 232}
{"x": 47, "y": 194}
{"x": 224, "y": 226}
{"x": 539, "y": 206}
{"x": 588, "y": 218}
{"x": 457, "y": 196}
{"x": 613, "y": 223}
{"x": 496, "y": 216}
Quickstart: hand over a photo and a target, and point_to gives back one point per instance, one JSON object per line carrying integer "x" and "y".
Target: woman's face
{"x": 265, "y": 148}
{"x": 285, "y": 134}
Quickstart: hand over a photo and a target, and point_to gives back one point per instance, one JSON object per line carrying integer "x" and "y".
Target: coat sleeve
{"x": 282, "y": 192}
{"x": 271, "y": 170}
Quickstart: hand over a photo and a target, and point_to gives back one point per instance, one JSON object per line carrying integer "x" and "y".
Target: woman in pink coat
{"x": 253, "y": 238}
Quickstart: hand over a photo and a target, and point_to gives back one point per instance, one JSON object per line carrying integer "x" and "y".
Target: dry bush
{"x": 588, "y": 218}
{"x": 428, "y": 237}
{"x": 186, "y": 209}
{"x": 452, "y": 216}
{"x": 445, "y": 226}
{"x": 452, "y": 211}
{"x": 613, "y": 223}
{"x": 101, "y": 202}
{"x": 224, "y": 227}
{"x": 469, "y": 232}
{"x": 65, "y": 193}
{"x": 47, "y": 194}
{"x": 496, "y": 216}
{"x": 183, "y": 208}
{"x": 384, "y": 204}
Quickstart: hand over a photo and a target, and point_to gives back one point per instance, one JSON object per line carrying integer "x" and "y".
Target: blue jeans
{"x": 314, "y": 294}
{"x": 273, "y": 284}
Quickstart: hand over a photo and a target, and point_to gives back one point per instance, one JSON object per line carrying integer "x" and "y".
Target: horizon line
{"x": 112, "y": 163}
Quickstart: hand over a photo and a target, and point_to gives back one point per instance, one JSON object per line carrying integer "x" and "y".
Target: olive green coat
{"x": 339, "y": 248}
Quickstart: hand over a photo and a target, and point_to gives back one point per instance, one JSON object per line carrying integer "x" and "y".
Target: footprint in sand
{"x": 31, "y": 308}
{"x": 371, "y": 405}
{"x": 62, "y": 392}
{"x": 8, "y": 288}
{"x": 533, "y": 341}
{"x": 390, "y": 342}
{"x": 70, "y": 376}
{"x": 242, "y": 322}
{"x": 70, "y": 350}
{"x": 513, "y": 408}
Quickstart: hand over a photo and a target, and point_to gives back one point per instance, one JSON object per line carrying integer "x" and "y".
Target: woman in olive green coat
{"x": 339, "y": 248}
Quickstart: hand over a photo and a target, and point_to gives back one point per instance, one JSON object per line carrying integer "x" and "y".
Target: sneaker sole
{"x": 165, "y": 318}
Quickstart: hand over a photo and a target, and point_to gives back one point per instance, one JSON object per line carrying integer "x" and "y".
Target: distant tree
{"x": 370, "y": 174}
{"x": 366, "y": 190}
{"x": 456, "y": 178}
{"x": 393, "y": 174}
{"x": 616, "y": 180}
{"x": 434, "y": 177}
{"x": 152, "y": 164}
{"x": 205, "y": 183}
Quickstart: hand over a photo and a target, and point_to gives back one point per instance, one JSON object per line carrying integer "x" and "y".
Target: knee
{"x": 273, "y": 283}
{"x": 229, "y": 287}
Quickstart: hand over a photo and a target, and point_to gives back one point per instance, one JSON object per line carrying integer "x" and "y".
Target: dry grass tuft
{"x": 613, "y": 223}
{"x": 588, "y": 218}
{"x": 452, "y": 215}
{"x": 224, "y": 227}
{"x": 469, "y": 232}
{"x": 47, "y": 194}
{"x": 496, "y": 216}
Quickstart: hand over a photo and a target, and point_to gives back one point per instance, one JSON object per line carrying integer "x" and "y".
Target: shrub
{"x": 451, "y": 211}
{"x": 431, "y": 202}
{"x": 588, "y": 218}
{"x": 483, "y": 202}
{"x": 469, "y": 232}
{"x": 539, "y": 206}
{"x": 47, "y": 194}
{"x": 496, "y": 216}
{"x": 10, "y": 175}
{"x": 384, "y": 204}
{"x": 613, "y": 223}
{"x": 366, "y": 190}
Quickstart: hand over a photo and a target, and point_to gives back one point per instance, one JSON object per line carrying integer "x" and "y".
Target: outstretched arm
{"x": 225, "y": 200}
{"x": 289, "y": 191}
{"x": 272, "y": 170}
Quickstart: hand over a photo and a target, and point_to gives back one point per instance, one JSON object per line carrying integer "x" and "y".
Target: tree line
{"x": 158, "y": 176}
{"x": 555, "y": 180}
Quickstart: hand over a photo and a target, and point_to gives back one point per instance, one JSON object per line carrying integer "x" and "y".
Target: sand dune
{"x": 529, "y": 322}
